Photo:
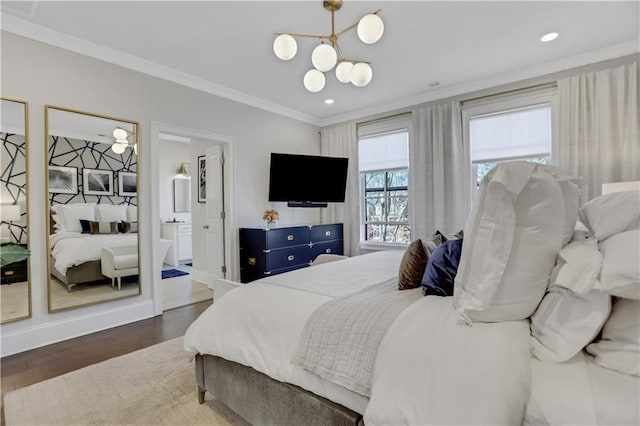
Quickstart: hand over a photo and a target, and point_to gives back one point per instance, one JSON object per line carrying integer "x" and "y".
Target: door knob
{"x": 205, "y": 227}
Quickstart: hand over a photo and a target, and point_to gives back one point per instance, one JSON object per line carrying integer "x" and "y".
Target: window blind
{"x": 384, "y": 152}
{"x": 511, "y": 134}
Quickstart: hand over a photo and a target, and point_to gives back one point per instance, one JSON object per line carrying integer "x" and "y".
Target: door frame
{"x": 228, "y": 143}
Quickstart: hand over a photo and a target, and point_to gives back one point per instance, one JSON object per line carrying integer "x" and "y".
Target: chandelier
{"x": 327, "y": 55}
{"x": 121, "y": 143}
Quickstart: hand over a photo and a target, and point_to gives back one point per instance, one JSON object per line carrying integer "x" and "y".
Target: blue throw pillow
{"x": 441, "y": 269}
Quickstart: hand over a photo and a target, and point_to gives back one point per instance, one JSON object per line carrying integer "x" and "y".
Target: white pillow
{"x": 620, "y": 274}
{"x": 612, "y": 213}
{"x": 72, "y": 213}
{"x": 111, "y": 213}
{"x": 512, "y": 239}
{"x": 132, "y": 213}
{"x": 578, "y": 265}
{"x": 565, "y": 322}
{"x": 619, "y": 348}
{"x": 570, "y": 187}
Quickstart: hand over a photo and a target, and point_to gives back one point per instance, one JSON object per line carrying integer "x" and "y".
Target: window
{"x": 516, "y": 128}
{"x": 384, "y": 184}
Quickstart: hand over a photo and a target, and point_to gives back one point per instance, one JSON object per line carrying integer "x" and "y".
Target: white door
{"x": 214, "y": 224}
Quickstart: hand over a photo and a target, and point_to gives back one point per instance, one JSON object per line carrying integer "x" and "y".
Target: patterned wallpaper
{"x": 14, "y": 185}
{"x": 83, "y": 154}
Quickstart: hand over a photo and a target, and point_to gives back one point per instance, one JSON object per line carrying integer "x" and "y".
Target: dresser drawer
{"x": 329, "y": 232}
{"x": 286, "y": 258}
{"x": 287, "y": 237}
{"x": 331, "y": 247}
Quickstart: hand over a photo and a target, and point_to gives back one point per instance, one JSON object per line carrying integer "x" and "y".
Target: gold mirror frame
{"x": 8, "y": 297}
{"x": 101, "y": 183}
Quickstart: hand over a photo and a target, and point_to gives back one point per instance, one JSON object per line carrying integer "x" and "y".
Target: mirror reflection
{"x": 181, "y": 195}
{"x": 15, "y": 286}
{"x": 92, "y": 202}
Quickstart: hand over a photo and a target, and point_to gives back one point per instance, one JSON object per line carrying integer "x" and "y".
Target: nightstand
{"x": 14, "y": 272}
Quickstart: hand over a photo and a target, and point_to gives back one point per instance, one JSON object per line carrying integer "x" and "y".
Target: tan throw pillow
{"x": 103, "y": 227}
{"x": 412, "y": 266}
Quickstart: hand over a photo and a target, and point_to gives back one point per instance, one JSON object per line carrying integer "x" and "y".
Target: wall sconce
{"x": 182, "y": 172}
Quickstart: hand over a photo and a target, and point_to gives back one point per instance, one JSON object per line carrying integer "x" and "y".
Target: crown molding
{"x": 45, "y": 35}
{"x": 592, "y": 57}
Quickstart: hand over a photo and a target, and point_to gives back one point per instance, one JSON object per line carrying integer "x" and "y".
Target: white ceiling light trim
{"x": 325, "y": 56}
{"x": 549, "y": 37}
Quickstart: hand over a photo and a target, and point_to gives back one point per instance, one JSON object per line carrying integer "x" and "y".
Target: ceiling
{"x": 225, "y": 47}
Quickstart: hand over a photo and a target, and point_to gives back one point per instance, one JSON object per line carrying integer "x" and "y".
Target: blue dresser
{"x": 265, "y": 252}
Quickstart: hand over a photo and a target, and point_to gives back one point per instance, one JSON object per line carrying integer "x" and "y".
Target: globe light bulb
{"x": 361, "y": 74}
{"x": 370, "y": 28}
{"x": 118, "y": 148}
{"x": 343, "y": 72}
{"x": 120, "y": 134}
{"x": 324, "y": 57}
{"x": 285, "y": 47}
{"x": 314, "y": 81}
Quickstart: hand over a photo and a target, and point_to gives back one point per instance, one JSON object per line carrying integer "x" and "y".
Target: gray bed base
{"x": 261, "y": 400}
{"x": 85, "y": 272}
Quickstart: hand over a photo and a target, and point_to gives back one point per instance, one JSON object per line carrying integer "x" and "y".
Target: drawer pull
{"x": 327, "y": 251}
{"x": 9, "y": 272}
{"x": 290, "y": 258}
{"x": 289, "y": 237}
{"x": 252, "y": 261}
{"x": 327, "y": 233}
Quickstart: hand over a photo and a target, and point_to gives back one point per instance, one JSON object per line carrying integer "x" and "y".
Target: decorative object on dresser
{"x": 265, "y": 252}
{"x": 180, "y": 234}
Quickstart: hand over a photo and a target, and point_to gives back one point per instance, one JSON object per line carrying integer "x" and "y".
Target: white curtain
{"x": 440, "y": 171}
{"x": 598, "y": 126}
{"x": 341, "y": 141}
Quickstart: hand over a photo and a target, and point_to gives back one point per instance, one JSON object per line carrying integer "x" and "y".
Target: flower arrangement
{"x": 270, "y": 216}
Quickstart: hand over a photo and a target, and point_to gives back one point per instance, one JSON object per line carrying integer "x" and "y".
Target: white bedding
{"x": 580, "y": 392}
{"x": 259, "y": 325}
{"x": 73, "y": 248}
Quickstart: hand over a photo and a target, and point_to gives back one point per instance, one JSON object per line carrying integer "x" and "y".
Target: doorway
{"x": 209, "y": 244}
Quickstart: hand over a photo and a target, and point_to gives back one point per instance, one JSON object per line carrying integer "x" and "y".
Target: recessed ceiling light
{"x": 328, "y": 101}
{"x": 549, "y": 37}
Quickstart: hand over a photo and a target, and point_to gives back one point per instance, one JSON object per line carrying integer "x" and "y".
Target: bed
{"x": 75, "y": 257}
{"x": 79, "y": 231}
{"x": 466, "y": 359}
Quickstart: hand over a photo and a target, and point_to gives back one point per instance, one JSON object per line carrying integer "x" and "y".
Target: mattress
{"x": 579, "y": 391}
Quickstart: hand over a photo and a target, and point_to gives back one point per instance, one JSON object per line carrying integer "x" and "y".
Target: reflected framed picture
{"x": 97, "y": 182}
{"x": 127, "y": 184}
{"x": 63, "y": 180}
{"x": 202, "y": 179}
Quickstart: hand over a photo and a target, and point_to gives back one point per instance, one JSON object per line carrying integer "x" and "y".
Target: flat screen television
{"x": 307, "y": 180}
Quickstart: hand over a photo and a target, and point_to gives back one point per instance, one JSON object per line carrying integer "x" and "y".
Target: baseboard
{"x": 55, "y": 331}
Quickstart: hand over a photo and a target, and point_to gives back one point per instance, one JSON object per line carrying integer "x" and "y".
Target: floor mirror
{"x": 15, "y": 281}
{"x": 92, "y": 206}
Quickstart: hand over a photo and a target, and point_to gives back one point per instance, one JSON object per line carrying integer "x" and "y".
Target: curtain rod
{"x": 508, "y": 92}
{"x": 400, "y": 114}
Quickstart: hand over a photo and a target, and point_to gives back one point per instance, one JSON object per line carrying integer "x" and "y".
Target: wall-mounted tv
{"x": 307, "y": 180}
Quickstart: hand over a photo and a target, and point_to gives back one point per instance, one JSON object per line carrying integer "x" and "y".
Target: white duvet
{"x": 73, "y": 248}
{"x": 429, "y": 369}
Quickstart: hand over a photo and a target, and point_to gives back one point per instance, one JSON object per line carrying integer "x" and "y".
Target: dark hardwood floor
{"x": 43, "y": 363}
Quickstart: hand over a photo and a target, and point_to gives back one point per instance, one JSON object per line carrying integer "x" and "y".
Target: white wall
{"x": 170, "y": 155}
{"x": 41, "y": 74}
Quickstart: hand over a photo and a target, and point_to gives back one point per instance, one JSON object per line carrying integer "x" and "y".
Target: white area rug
{"x": 152, "y": 386}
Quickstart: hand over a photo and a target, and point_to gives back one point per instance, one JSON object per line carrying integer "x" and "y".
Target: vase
{"x": 270, "y": 223}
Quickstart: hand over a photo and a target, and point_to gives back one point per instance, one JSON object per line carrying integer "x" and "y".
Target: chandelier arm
{"x": 354, "y": 61}
{"x": 350, "y": 27}
{"x": 322, "y": 37}
{"x": 340, "y": 54}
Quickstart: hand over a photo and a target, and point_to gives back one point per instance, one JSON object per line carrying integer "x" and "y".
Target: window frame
{"x": 504, "y": 103}
{"x": 363, "y": 207}
{"x": 398, "y": 124}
